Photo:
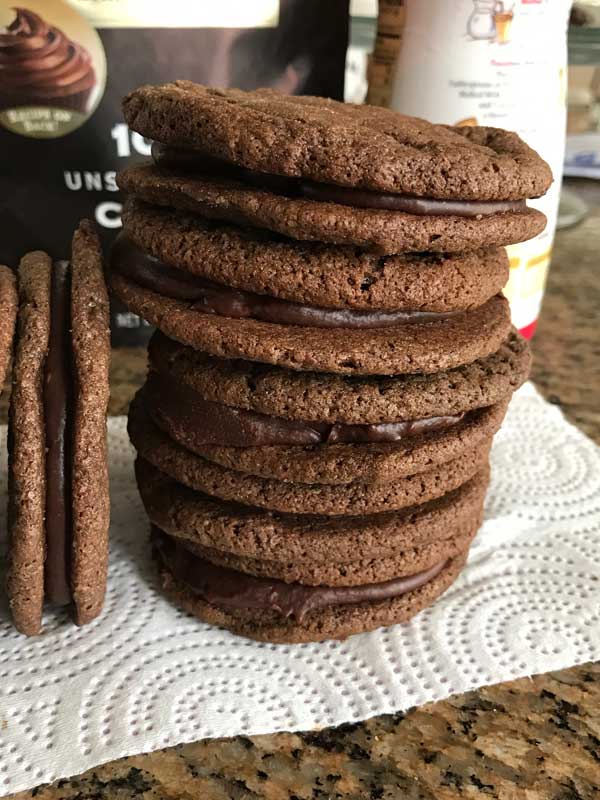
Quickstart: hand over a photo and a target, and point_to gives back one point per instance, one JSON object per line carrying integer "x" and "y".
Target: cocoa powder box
{"x": 66, "y": 64}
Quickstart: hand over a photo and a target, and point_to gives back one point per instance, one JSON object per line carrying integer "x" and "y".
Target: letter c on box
{"x": 108, "y": 214}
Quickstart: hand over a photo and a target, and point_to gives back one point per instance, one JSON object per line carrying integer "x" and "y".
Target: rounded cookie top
{"x": 331, "y": 142}
{"x": 311, "y": 396}
{"x": 417, "y": 347}
{"x": 313, "y": 273}
{"x": 381, "y": 231}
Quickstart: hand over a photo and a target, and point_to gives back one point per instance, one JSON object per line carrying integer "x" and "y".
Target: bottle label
{"x": 501, "y": 64}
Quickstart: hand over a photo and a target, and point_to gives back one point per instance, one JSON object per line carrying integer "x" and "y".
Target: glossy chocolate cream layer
{"x": 57, "y": 399}
{"x": 213, "y": 298}
{"x": 233, "y": 589}
{"x": 187, "y": 417}
{"x": 190, "y": 160}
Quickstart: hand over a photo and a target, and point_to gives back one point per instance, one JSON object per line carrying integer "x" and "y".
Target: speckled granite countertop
{"x": 536, "y": 739}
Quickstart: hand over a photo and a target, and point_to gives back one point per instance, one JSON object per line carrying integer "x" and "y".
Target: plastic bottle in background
{"x": 503, "y": 64}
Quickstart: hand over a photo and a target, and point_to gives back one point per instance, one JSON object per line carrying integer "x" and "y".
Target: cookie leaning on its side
{"x": 58, "y": 473}
{"x": 9, "y": 302}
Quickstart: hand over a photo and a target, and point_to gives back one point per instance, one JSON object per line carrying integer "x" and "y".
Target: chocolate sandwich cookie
{"x": 312, "y": 428}
{"x": 331, "y": 464}
{"x": 307, "y": 539}
{"x": 209, "y": 297}
{"x": 306, "y": 616}
{"x": 58, "y": 475}
{"x": 388, "y": 493}
{"x": 188, "y": 417}
{"x": 319, "y": 219}
{"x": 9, "y": 302}
{"x": 348, "y": 145}
{"x": 311, "y": 168}
{"x": 156, "y": 240}
{"x": 282, "y": 577}
{"x": 409, "y": 346}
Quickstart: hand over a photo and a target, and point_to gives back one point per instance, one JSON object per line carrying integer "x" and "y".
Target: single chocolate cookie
{"x": 310, "y": 396}
{"x": 334, "y": 464}
{"x": 310, "y": 272}
{"x": 90, "y": 341}
{"x": 379, "y": 230}
{"x": 353, "y": 572}
{"x": 9, "y": 302}
{"x": 329, "y": 142}
{"x": 26, "y": 446}
{"x": 58, "y": 475}
{"x": 303, "y": 498}
{"x": 305, "y": 539}
{"x": 329, "y": 622}
{"x": 417, "y": 347}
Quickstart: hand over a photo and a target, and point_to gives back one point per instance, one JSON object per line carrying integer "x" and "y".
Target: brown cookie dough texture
{"x": 381, "y": 231}
{"x": 313, "y": 273}
{"x": 399, "y": 564}
{"x": 304, "y": 539}
{"x": 90, "y": 336}
{"x": 9, "y": 303}
{"x": 342, "y": 514}
{"x": 314, "y": 551}
{"x": 26, "y": 449}
{"x": 344, "y": 144}
{"x": 418, "y": 347}
{"x": 332, "y": 398}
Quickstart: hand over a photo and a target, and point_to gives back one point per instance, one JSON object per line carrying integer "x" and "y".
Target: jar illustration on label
{"x": 52, "y": 69}
{"x": 480, "y": 24}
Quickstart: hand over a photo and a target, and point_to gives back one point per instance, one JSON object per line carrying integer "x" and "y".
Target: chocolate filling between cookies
{"x": 187, "y": 417}
{"x": 58, "y": 408}
{"x": 230, "y": 588}
{"x": 187, "y": 159}
{"x": 214, "y": 298}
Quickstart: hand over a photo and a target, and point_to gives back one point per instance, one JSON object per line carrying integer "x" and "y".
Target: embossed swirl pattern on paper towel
{"x": 145, "y": 676}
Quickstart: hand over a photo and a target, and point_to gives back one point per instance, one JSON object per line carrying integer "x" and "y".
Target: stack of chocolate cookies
{"x": 333, "y": 353}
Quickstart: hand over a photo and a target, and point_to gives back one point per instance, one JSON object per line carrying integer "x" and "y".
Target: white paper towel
{"x": 144, "y": 676}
